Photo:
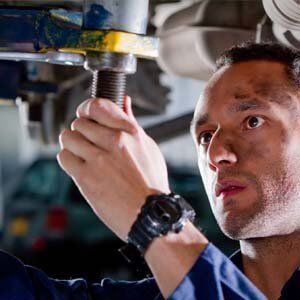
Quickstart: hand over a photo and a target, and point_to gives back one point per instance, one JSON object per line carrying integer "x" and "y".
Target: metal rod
{"x": 109, "y": 85}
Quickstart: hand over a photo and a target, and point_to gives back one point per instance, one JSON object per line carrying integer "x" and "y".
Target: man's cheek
{"x": 201, "y": 166}
{"x": 207, "y": 177}
{"x": 257, "y": 151}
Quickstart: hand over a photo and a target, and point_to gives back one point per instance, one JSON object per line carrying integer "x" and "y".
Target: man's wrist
{"x": 159, "y": 215}
{"x": 180, "y": 252}
{"x": 190, "y": 237}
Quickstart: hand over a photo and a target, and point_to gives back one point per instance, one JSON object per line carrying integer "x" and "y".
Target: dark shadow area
{"x": 49, "y": 225}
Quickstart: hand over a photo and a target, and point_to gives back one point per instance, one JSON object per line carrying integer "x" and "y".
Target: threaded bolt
{"x": 109, "y": 85}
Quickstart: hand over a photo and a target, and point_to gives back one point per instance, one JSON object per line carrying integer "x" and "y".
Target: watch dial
{"x": 165, "y": 211}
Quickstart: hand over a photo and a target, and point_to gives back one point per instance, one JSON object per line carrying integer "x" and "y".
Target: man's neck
{"x": 270, "y": 262}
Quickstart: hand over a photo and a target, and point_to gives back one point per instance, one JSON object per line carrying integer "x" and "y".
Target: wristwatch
{"x": 159, "y": 215}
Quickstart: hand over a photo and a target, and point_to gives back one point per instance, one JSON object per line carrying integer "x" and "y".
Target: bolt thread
{"x": 94, "y": 84}
{"x": 109, "y": 85}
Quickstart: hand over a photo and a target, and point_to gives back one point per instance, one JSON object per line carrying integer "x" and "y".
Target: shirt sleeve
{"x": 215, "y": 277}
{"x": 79, "y": 289}
{"x": 19, "y": 281}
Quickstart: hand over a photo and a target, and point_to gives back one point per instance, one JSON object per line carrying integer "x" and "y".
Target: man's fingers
{"x": 101, "y": 136}
{"x": 128, "y": 108}
{"x": 106, "y": 113}
{"x": 77, "y": 144}
{"x": 69, "y": 162}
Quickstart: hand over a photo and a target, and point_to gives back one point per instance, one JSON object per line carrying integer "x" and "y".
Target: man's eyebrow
{"x": 199, "y": 121}
{"x": 245, "y": 105}
{"x": 240, "y": 106}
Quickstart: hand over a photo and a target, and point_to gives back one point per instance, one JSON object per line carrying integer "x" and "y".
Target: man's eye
{"x": 205, "y": 138}
{"x": 254, "y": 122}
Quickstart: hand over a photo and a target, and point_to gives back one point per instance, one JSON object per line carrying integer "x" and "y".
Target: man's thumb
{"x": 128, "y": 108}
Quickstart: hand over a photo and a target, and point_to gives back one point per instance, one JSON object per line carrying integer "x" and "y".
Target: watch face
{"x": 164, "y": 211}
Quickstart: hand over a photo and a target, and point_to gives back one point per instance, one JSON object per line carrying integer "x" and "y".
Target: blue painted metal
{"x": 73, "y": 18}
{"x": 97, "y": 17}
{"x": 40, "y": 31}
{"x": 10, "y": 79}
{"x": 122, "y": 15}
{"x": 34, "y": 30}
{"x": 17, "y": 27}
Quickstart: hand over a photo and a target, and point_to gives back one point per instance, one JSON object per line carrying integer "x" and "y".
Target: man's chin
{"x": 233, "y": 234}
{"x": 243, "y": 231}
{"x": 243, "y": 224}
{"x": 239, "y": 229}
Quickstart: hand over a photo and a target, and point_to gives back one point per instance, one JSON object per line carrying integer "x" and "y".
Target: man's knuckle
{"x": 104, "y": 103}
{"x": 127, "y": 123}
{"x": 124, "y": 152}
{"x": 63, "y": 158}
{"x": 81, "y": 177}
{"x": 64, "y": 135}
{"x": 63, "y": 153}
{"x": 117, "y": 140}
{"x": 118, "y": 137}
{"x": 96, "y": 106}
{"x": 97, "y": 152}
{"x": 60, "y": 157}
{"x": 92, "y": 153}
{"x": 93, "y": 106}
{"x": 99, "y": 160}
{"x": 76, "y": 124}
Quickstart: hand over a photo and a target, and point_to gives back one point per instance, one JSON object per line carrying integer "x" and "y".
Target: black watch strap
{"x": 159, "y": 215}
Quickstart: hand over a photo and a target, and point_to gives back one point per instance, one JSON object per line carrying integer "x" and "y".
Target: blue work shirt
{"x": 212, "y": 277}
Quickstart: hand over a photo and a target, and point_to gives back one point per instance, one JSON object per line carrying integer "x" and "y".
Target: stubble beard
{"x": 272, "y": 213}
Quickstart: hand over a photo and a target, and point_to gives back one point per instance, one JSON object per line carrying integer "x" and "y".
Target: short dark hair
{"x": 264, "y": 51}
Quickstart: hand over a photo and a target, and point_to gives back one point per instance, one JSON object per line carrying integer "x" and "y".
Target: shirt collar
{"x": 236, "y": 258}
{"x": 291, "y": 287}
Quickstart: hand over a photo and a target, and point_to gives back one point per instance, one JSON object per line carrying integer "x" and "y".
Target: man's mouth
{"x": 229, "y": 188}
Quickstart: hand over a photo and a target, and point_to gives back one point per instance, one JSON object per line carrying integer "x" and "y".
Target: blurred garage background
{"x": 44, "y": 219}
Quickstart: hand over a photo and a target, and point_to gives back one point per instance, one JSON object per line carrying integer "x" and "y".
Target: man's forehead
{"x": 203, "y": 114}
{"x": 251, "y": 91}
{"x": 257, "y": 77}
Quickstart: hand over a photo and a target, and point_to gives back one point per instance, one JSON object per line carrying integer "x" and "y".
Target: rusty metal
{"x": 109, "y": 34}
{"x": 123, "y": 21}
{"x": 40, "y": 31}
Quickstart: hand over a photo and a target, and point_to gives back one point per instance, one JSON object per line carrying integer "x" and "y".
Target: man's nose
{"x": 221, "y": 151}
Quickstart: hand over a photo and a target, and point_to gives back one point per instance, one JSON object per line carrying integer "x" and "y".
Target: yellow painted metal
{"x": 19, "y": 226}
{"x": 117, "y": 42}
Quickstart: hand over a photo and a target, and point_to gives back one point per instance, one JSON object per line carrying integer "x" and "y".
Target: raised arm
{"x": 116, "y": 166}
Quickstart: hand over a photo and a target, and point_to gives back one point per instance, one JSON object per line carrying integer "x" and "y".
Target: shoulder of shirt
{"x": 9, "y": 260}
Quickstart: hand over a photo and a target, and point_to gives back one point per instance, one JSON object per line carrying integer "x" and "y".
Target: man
{"x": 246, "y": 129}
{"x": 247, "y": 133}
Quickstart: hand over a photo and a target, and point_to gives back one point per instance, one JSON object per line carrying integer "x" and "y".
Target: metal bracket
{"x": 25, "y": 31}
{"x": 58, "y": 58}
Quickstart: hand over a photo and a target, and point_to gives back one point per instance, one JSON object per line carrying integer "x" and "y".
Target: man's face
{"x": 247, "y": 130}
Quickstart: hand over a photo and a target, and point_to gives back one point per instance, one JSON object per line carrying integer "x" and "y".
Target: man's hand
{"x": 113, "y": 162}
{"x": 116, "y": 165}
